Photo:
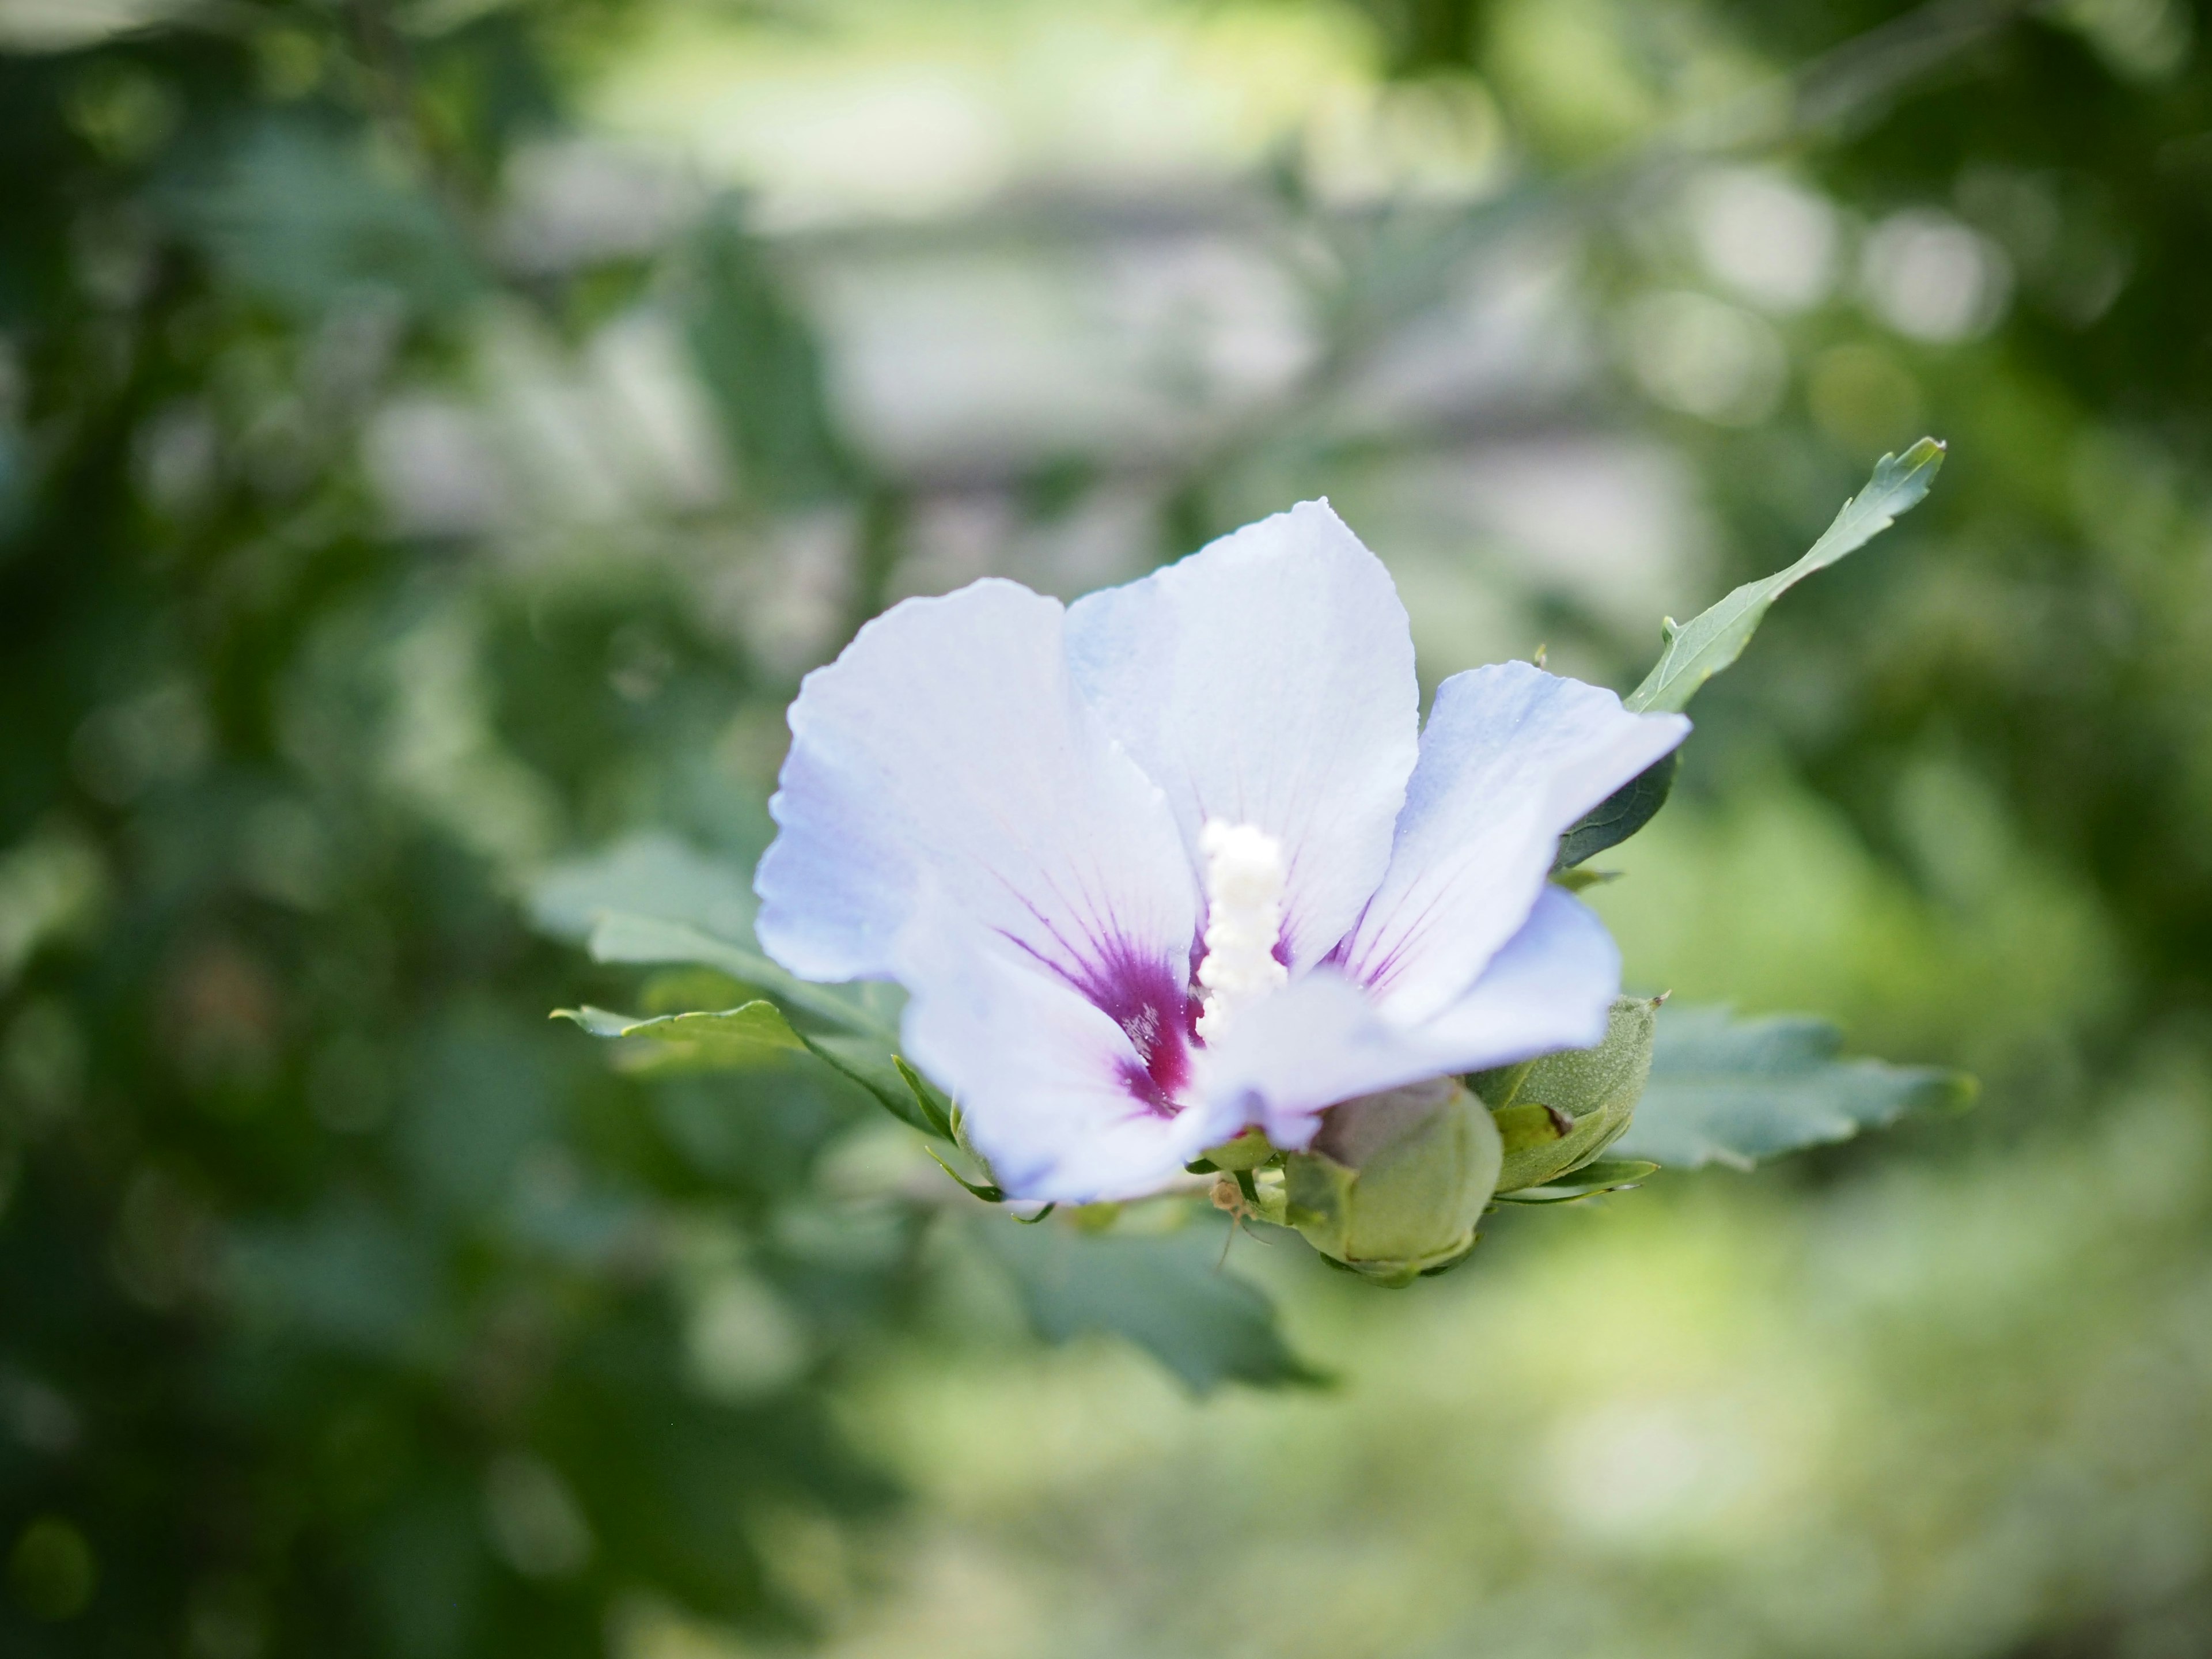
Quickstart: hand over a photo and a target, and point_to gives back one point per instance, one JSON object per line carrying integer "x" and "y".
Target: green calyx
{"x": 1395, "y": 1183}
{"x": 1556, "y": 1114}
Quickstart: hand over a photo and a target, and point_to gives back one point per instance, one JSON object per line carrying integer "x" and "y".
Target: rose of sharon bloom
{"x": 1180, "y": 858}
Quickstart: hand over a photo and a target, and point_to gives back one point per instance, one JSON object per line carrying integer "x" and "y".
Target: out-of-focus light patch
{"x": 1614, "y": 525}
{"x": 68, "y": 25}
{"x": 786, "y": 593}
{"x": 556, "y": 438}
{"x": 1860, "y": 395}
{"x": 534, "y": 1519}
{"x": 1108, "y": 535}
{"x": 52, "y": 888}
{"x": 1650, "y": 1471}
{"x": 1769, "y": 238}
{"x": 890, "y": 111}
{"x": 2141, "y": 40}
{"x": 1932, "y": 278}
{"x": 955, "y": 363}
{"x": 575, "y": 200}
{"x": 1513, "y": 332}
{"x": 739, "y": 1341}
{"x": 432, "y": 465}
{"x": 1704, "y": 357}
{"x": 177, "y": 459}
{"x": 1435, "y": 139}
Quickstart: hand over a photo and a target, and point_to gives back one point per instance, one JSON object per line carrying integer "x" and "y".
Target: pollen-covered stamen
{"x": 1245, "y": 875}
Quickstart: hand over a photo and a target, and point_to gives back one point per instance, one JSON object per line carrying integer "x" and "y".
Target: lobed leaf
{"x": 756, "y": 1034}
{"x": 623, "y": 936}
{"x": 1701, "y": 648}
{"x": 1710, "y": 642}
{"x": 1166, "y": 1292}
{"x": 1725, "y": 1090}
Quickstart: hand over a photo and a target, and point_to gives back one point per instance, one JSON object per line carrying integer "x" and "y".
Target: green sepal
{"x": 1397, "y": 1182}
{"x": 1249, "y": 1150}
{"x": 989, "y": 1195}
{"x": 935, "y": 1107}
{"x": 1605, "y": 1174}
{"x": 1557, "y": 1113}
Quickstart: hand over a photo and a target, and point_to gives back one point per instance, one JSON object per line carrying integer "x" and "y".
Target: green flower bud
{"x": 1248, "y": 1152}
{"x": 1556, "y": 1114}
{"x": 1393, "y": 1183}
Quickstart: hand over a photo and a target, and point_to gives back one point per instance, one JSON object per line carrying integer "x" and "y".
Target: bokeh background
{"x": 434, "y": 436}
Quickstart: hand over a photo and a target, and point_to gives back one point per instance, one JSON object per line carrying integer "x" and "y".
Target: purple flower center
{"x": 1153, "y": 1006}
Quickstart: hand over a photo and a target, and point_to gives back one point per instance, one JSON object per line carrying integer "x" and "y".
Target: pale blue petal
{"x": 1512, "y": 757}
{"x": 1323, "y": 1039}
{"x": 1268, "y": 680}
{"x": 947, "y": 748}
{"x": 1550, "y": 989}
{"x": 1052, "y": 1091}
{"x": 1319, "y": 1040}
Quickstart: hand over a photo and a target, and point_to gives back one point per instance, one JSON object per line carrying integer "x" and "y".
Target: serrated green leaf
{"x": 756, "y": 1034}
{"x": 622, "y": 936}
{"x": 1725, "y": 1090}
{"x": 1167, "y": 1293}
{"x": 600, "y": 1021}
{"x": 1702, "y": 648}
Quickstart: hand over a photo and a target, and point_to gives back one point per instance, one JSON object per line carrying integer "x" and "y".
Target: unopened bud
{"x": 1393, "y": 1183}
{"x": 1556, "y": 1114}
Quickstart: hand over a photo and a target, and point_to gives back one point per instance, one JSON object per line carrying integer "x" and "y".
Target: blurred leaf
{"x": 1725, "y": 1090}
{"x": 653, "y": 874}
{"x": 300, "y": 216}
{"x": 1167, "y": 1293}
{"x": 761, "y": 365}
{"x": 1710, "y": 642}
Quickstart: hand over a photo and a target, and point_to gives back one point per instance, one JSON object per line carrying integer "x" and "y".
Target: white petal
{"x": 1550, "y": 989}
{"x": 948, "y": 747}
{"x": 1052, "y": 1091}
{"x": 1512, "y": 757}
{"x": 1324, "y": 1039}
{"x": 1318, "y": 1040}
{"x": 1268, "y": 680}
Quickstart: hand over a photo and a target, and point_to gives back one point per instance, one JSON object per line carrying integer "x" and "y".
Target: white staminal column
{"x": 1245, "y": 874}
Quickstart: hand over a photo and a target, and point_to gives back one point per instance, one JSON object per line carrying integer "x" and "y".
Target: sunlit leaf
{"x": 1697, "y": 651}
{"x": 1700, "y": 649}
{"x": 1167, "y": 1293}
{"x": 621, "y": 936}
{"x": 1726, "y": 1091}
{"x": 756, "y": 1034}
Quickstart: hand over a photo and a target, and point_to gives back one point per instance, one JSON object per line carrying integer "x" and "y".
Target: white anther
{"x": 1245, "y": 876}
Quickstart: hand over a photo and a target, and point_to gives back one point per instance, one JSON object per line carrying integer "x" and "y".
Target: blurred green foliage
{"x": 366, "y": 598}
